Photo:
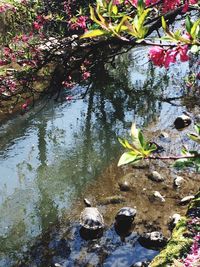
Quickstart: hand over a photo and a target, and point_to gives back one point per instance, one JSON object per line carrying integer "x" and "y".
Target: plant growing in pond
{"x": 142, "y": 149}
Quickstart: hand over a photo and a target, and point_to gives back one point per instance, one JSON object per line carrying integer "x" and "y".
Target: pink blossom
{"x": 183, "y": 53}
{"x": 169, "y": 5}
{"x": 156, "y": 54}
{"x": 36, "y": 25}
{"x": 86, "y": 75}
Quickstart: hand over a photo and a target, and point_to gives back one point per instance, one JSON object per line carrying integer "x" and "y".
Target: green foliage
{"x": 137, "y": 150}
{"x": 192, "y": 28}
{"x": 194, "y": 161}
{"x": 113, "y": 22}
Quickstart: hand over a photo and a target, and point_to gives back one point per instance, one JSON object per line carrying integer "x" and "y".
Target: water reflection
{"x": 48, "y": 159}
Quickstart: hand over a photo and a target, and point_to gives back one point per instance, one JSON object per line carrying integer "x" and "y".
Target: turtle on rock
{"x": 125, "y": 216}
{"x": 91, "y": 221}
{"x": 123, "y": 221}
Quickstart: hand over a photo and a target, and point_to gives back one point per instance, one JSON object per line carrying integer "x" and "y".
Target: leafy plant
{"x": 138, "y": 149}
{"x": 115, "y": 23}
{"x": 192, "y": 158}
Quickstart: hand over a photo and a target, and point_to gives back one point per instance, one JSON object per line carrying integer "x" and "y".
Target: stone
{"x": 141, "y": 264}
{"x": 178, "y": 180}
{"x": 186, "y": 200}
{"x": 164, "y": 137}
{"x": 112, "y": 200}
{"x": 156, "y": 176}
{"x": 153, "y": 240}
{"x": 126, "y": 183}
{"x": 182, "y": 122}
{"x": 174, "y": 220}
{"x": 158, "y": 196}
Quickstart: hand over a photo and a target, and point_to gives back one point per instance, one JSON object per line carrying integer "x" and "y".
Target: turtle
{"x": 123, "y": 221}
{"x": 91, "y": 221}
{"x": 125, "y": 214}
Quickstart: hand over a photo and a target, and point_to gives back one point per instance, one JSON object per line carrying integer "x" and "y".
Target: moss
{"x": 177, "y": 246}
{"x": 180, "y": 241}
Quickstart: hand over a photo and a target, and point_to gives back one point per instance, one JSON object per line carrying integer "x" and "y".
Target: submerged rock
{"x": 141, "y": 264}
{"x": 164, "y": 137}
{"x": 112, "y": 200}
{"x": 153, "y": 240}
{"x": 186, "y": 200}
{"x": 156, "y": 176}
{"x": 158, "y": 196}
{"x": 178, "y": 180}
{"x": 126, "y": 183}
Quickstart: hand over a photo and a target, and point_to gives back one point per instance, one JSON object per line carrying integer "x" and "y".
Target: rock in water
{"x": 186, "y": 200}
{"x": 178, "y": 180}
{"x": 156, "y": 176}
{"x": 158, "y": 196}
{"x": 174, "y": 220}
{"x": 112, "y": 200}
{"x": 153, "y": 240}
{"x": 182, "y": 122}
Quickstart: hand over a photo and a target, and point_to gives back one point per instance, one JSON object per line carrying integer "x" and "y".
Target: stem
{"x": 175, "y": 157}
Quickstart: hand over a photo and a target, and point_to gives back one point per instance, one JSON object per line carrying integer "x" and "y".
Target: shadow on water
{"x": 48, "y": 160}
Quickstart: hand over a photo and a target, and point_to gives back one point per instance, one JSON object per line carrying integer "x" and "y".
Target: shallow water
{"x": 51, "y": 159}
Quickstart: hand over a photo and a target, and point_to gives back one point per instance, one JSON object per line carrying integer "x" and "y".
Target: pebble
{"x": 186, "y": 200}
{"x": 174, "y": 220}
{"x": 158, "y": 196}
{"x": 182, "y": 122}
{"x": 178, "y": 180}
{"x": 156, "y": 176}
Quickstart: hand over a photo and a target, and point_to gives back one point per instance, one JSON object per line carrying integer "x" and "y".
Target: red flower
{"x": 182, "y": 50}
{"x": 156, "y": 54}
{"x": 86, "y": 75}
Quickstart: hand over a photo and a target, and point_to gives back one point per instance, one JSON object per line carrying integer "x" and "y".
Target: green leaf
{"x": 197, "y": 128}
{"x": 93, "y": 33}
{"x": 164, "y": 24}
{"x": 124, "y": 143}
{"x": 188, "y": 24}
{"x": 115, "y": 9}
{"x": 194, "y": 137}
{"x": 127, "y": 157}
{"x": 141, "y": 138}
{"x": 181, "y": 163}
{"x": 195, "y": 29}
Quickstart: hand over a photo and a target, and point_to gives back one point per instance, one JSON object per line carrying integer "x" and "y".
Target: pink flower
{"x": 86, "y": 75}
{"x": 170, "y": 57}
{"x": 169, "y": 5}
{"x": 36, "y": 26}
{"x": 183, "y": 53}
{"x": 157, "y": 54}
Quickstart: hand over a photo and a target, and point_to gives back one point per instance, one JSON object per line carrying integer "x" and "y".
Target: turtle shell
{"x": 126, "y": 213}
{"x": 91, "y": 219}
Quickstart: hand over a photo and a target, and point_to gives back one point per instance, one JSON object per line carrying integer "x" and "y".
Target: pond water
{"x": 49, "y": 158}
